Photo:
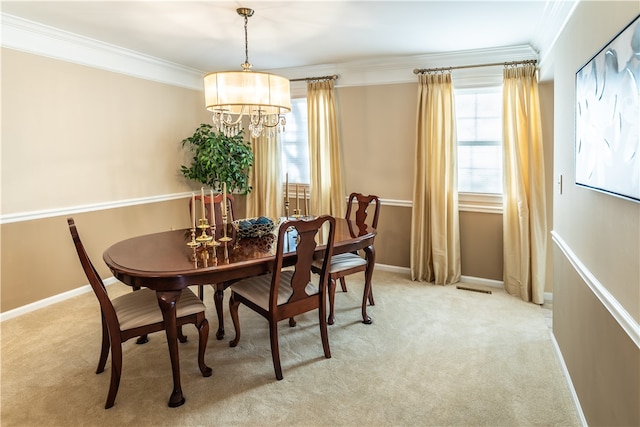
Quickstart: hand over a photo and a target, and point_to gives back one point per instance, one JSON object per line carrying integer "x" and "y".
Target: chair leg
{"x": 201, "y": 292}
{"x": 292, "y": 322}
{"x": 371, "y": 301}
{"x": 275, "y": 349}
{"x": 203, "y": 333}
{"x": 233, "y": 310}
{"x": 323, "y": 331}
{"x": 104, "y": 352}
{"x": 116, "y": 370}
{"x": 218, "y": 297}
{"x": 343, "y": 284}
{"x": 332, "y": 297}
{"x": 181, "y": 336}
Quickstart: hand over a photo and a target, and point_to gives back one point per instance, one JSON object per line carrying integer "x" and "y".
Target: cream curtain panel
{"x": 435, "y": 235}
{"x": 327, "y": 185}
{"x": 266, "y": 198}
{"x": 524, "y": 217}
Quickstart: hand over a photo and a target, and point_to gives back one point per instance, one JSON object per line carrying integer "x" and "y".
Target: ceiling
{"x": 209, "y": 35}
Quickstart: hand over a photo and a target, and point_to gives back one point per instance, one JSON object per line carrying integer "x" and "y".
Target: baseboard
{"x": 393, "y": 268}
{"x": 50, "y": 300}
{"x": 567, "y": 377}
{"x": 482, "y": 281}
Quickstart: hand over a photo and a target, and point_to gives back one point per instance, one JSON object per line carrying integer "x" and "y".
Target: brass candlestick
{"x": 297, "y": 214}
{"x": 213, "y": 242}
{"x": 204, "y": 237}
{"x": 286, "y": 208}
{"x": 224, "y": 237}
{"x": 193, "y": 244}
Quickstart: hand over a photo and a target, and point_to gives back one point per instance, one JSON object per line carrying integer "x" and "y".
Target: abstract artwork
{"x": 607, "y": 123}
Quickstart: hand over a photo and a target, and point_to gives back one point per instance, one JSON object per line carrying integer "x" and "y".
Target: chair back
{"x": 94, "y": 278}
{"x": 217, "y": 207}
{"x": 361, "y": 213}
{"x": 304, "y": 232}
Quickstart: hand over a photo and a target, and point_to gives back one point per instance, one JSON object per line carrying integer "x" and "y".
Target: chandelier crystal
{"x": 262, "y": 97}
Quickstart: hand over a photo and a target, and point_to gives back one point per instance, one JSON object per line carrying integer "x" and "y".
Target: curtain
{"x": 524, "y": 217}
{"x": 266, "y": 198}
{"x": 327, "y": 190}
{"x": 435, "y": 234}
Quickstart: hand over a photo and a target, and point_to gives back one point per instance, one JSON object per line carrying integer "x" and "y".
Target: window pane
{"x": 479, "y": 169}
{"x": 479, "y": 130}
{"x": 295, "y": 144}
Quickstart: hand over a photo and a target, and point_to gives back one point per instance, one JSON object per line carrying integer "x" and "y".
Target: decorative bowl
{"x": 253, "y": 227}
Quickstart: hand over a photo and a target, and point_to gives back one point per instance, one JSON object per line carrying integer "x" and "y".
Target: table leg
{"x": 370, "y": 255}
{"x": 218, "y": 296}
{"x": 167, "y": 302}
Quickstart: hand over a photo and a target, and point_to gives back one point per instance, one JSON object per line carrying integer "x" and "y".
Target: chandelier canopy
{"x": 231, "y": 95}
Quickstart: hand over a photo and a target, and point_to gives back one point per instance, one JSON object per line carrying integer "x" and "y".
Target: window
{"x": 479, "y": 130}
{"x": 295, "y": 144}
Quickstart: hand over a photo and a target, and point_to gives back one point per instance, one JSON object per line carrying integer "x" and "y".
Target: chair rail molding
{"x": 622, "y": 316}
{"x": 71, "y": 210}
{"x": 471, "y": 206}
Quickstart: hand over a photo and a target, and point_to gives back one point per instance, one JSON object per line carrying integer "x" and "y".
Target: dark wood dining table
{"x": 165, "y": 263}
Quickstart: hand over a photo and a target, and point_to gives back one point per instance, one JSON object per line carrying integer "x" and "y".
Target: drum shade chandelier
{"x": 231, "y": 95}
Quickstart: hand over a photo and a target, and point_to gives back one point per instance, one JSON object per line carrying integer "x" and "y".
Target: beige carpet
{"x": 433, "y": 356}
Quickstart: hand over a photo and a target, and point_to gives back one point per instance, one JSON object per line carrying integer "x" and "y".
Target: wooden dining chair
{"x": 343, "y": 265}
{"x": 283, "y": 294}
{"x": 136, "y": 314}
{"x": 219, "y": 288}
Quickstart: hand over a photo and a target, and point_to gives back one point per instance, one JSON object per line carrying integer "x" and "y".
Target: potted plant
{"x": 218, "y": 158}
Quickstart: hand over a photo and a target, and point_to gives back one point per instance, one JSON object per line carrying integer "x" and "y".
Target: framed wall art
{"x": 607, "y": 146}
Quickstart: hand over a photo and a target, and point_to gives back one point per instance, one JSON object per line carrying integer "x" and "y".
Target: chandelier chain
{"x": 246, "y": 40}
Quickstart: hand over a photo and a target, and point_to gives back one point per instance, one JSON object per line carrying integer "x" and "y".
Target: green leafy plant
{"x": 218, "y": 158}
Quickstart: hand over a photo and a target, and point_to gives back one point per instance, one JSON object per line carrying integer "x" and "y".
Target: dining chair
{"x": 345, "y": 264}
{"x": 136, "y": 314}
{"x": 219, "y": 288}
{"x": 283, "y": 294}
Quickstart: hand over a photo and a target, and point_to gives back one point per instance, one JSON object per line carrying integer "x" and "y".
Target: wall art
{"x": 607, "y": 146}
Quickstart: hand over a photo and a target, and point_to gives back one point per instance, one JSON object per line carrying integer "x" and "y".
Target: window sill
{"x": 479, "y": 202}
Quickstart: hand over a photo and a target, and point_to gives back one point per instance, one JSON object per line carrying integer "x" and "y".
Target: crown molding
{"x": 32, "y": 37}
{"x": 29, "y": 36}
{"x": 399, "y": 69}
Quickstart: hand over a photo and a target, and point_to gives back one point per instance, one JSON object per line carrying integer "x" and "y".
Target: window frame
{"x": 472, "y": 201}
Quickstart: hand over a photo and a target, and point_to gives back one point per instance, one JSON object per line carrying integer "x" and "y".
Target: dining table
{"x": 168, "y": 262}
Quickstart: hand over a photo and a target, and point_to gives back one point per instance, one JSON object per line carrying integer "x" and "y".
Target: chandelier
{"x": 231, "y": 95}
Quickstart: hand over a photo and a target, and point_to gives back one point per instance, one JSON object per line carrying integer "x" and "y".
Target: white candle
{"x": 193, "y": 210}
{"x": 305, "y": 202}
{"x": 204, "y": 215}
{"x": 224, "y": 199}
{"x": 213, "y": 213}
{"x": 286, "y": 187}
{"x": 297, "y": 200}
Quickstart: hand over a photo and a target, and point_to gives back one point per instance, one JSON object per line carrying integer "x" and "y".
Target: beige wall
{"x": 378, "y": 125}
{"x": 481, "y": 245}
{"x": 600, "y": 234}
{"x": 82, "y": 136}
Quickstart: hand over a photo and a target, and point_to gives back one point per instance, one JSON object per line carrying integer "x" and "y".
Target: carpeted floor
{"x": 434, "y": 355}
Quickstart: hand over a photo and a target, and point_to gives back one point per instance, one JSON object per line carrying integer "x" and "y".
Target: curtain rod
{"x": 506, "y": 64}
{"x": 309, "y": 79}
